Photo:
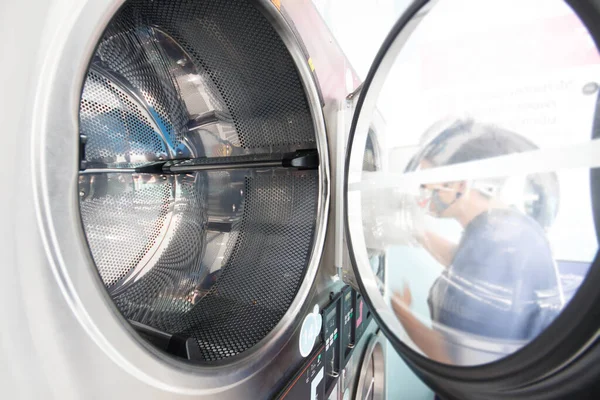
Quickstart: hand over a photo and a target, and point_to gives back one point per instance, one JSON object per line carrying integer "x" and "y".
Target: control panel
{"x": 362, "y": 316}
{"x": 348, "y": 325}
{"x": 331, "y": 339}
{"x": 345, "y": 320}
{"x": 309, "y": 382}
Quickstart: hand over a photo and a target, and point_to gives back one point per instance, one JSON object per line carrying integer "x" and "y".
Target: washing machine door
{"x": 488, "y": 205}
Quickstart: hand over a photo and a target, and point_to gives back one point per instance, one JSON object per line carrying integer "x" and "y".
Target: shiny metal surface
{"x": 208, "y": 167}
{"x": 371, "y": 380}
{"x": 148, "y": 239}
{"x": 131, "y": 119}
{"x": 46, "y": 253}
{"x": 127, "y": 220}
{"x": 47, "y": 264}
{"x": 181, "y": 252}
{"x": 349, "y": 385}
{"x": 152, "y": 81}
{"x": 93, "y": 171}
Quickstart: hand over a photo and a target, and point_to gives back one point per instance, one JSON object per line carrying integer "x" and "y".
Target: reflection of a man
{"x": 500, "y": 280}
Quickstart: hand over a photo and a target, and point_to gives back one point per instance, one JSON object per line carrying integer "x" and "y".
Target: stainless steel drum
{"x": 199, "y": 221}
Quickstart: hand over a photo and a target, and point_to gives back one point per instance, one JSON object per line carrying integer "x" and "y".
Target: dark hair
{"x": 467, "y": 140}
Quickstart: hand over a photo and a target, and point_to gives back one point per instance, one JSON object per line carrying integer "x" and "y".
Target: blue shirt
{"x": 502, "y": 283}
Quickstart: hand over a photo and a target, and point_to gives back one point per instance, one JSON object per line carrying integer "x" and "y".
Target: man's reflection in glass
{"x": 500, "y": 281}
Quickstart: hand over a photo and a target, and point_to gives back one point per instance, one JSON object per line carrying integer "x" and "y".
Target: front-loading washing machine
{"x": 168, "y": 226}
{"x": 159, "y": 283}
{"x": 175, "y": 245}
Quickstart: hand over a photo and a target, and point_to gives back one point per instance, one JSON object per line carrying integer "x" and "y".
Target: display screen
{"x": 347, "y": 323}
{"x": 331, "y": 328}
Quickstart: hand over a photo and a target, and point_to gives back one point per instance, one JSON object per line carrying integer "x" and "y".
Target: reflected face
{"x": 441, "y": 198}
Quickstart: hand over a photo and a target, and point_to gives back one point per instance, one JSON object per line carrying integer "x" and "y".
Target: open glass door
{"x": 487, "y": 206}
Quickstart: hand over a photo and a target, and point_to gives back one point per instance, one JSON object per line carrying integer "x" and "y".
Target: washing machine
{"x": 174, "y": 248}
{"x": 189, "y": 212}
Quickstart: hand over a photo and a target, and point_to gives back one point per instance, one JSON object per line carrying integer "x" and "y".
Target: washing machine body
{"x": 125, "y": 273}
{"x": 171, "y": 234}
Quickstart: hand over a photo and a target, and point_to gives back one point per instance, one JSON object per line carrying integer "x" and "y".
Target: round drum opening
{"x": 199, "y": 183}
{"x": 371, "y": 380}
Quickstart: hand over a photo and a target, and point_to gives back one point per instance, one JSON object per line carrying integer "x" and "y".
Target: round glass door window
{"x": 483, "y": 203}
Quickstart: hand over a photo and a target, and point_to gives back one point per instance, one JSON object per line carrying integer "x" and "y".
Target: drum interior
{"x": 203, "y": 262}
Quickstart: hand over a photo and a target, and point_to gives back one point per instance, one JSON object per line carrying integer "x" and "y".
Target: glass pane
{"x": 359, "y": 27}
{"x": 481, "y": 201}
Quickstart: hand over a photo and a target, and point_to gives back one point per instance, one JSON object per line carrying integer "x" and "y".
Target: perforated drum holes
{"x": 213, "y": 258}
{"x": 118, "y": 130}
{"x": 265, "y": 268}
{"x": 123, "y": 222}
{"x": 247, "y": 61}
